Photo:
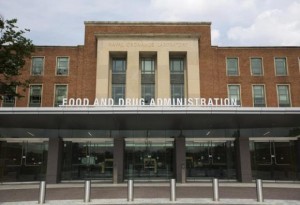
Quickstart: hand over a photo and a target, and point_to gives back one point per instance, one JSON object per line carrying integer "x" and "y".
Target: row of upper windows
{"x": 234, "y": 92}
{"x": 35, "y": 96}
{"x": 38, "y": 64}
{"x": 256, "y": 66}
{"x": 259, "y": 95}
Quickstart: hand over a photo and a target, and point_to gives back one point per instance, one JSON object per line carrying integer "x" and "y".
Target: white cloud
{"x": 215, "y": 36}
{"x": 279, "y": 27}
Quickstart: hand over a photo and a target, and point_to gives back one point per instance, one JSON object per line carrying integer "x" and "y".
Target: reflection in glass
{"x": 210, "y": 159}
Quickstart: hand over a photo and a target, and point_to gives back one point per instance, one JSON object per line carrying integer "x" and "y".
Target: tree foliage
{"x": 14, "y": 49}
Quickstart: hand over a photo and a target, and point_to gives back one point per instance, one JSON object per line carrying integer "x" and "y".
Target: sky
{"x": 234, "y": 22}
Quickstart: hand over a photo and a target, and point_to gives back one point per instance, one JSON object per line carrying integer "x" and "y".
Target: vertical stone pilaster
{"x": 163, "y": 75}
{"x": 133, "y": 75}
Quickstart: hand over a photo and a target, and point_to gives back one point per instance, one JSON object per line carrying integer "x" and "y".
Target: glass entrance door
{"x": 273, "y": 160}
{"x": 148, "y": 159}
{"x": 23, "y": 161}
{"x": 88, "y": 160}
{"x": 207, "y": 159}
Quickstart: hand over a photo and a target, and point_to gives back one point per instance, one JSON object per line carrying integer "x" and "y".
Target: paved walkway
{"x": 189, "y": 193}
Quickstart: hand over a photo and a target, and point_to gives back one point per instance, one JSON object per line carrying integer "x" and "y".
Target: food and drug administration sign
{"x": 102, "y": 102}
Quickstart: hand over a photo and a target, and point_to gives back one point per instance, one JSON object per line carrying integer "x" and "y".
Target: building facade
{"x": 151, "y": 101}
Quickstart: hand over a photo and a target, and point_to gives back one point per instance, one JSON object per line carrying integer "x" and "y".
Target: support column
{"x": 163, "y": 75}
{"x": 119, "y": 145}
{"x": 244, "y": 171}
{"x": 298, "y": 158}
{"x": 55, "y": 147}
{"x": 180, "y": 160}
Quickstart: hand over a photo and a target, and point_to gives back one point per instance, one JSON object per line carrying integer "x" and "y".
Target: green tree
{"x": 14, "y": 49}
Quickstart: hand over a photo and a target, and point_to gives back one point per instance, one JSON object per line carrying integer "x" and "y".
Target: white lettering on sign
{"x": 202, "y": 102}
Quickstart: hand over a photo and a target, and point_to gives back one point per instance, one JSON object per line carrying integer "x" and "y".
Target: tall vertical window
{"x": 8, "y": 99}
{"x": 148, "y": 66}
{"x": 118, "y": 65}
{"x": 37, "y": 65}
{"x": 280, "y": 66}
{"x": 35, "y": 96}
{"x": 256, "y": 66}
{"x": 118, "y": 79}
{"x": 60, "y": 94}
{"x": 177, "y": 79}
{"x": 62, "y": 66}
{"x": 118, "y": 92}
{"x": 283, "y": 96}
{"x": 234, "y": 93}
{"x": 232, "y": 68}
{"x": 148, "y": 79}
{"x": 258, "y": 92}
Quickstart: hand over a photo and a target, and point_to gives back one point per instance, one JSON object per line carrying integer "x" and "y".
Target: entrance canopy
{"x": 148, "y": 118}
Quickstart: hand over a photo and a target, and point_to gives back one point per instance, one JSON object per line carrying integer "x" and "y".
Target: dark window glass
{"x": 37, "y": 66}
{"x": 35, "y": 97}
{"x": 118, "y": 92}
{"x": 118, "y": 65}
{"x": 258, "y": 96}
{"x": 62, "y": 67}
{"x": 60, "y": 94}
{"x": 256, "y": 66}
{"x": 232, "y": 67}
{"x": 280, "y": 64}
{"x": 148, "y": 66}
{"x": 283, "y": 96}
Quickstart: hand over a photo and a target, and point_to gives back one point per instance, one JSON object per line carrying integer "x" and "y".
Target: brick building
{"x": 154, "y": 101}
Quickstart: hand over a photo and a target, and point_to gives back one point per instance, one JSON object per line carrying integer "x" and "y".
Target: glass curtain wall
{"x": 273, "y": 160}
{"x": 87, "y": 160}
{"x": 23, "y": 161}
{"x": 207, "y": 159}
{"x": 149, "y": 159}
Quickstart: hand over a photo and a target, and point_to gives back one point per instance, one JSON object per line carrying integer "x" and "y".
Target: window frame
{"x": 262, "y": 66}
{"x": 153, "y": 91}
{"x": 289, "y": 94}
{"x": 112, "y": 92}
{"x": 172, "y": 59}
{"x": 57, "y": 66}
{"x": 112, "y": 65}
{"x": 43, "y": 66}
{"x": 264, "y": 92}
{"x": 29, "y": 93}
{"x": 152, "y": 65}
{"x": 67, "y": 91}
{"x": 240, "y": 92}
{"x": 238, "y": 66}
{"x": 286, "y": 66}
{"x": 15, "y": 99}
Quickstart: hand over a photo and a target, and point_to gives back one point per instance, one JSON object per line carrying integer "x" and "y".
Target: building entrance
{"x": 149, "y": 159}
{"x": 273, "y": 159}
{"x": 210, "y": 158}
{"x": 88, "y": 159}
{"x": 23, "y": 160}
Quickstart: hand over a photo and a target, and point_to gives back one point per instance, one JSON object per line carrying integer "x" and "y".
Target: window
{"x": 148, "y": 92}
{"x": 9, "y": 100}
{"x": 60, "y": 93}
{"x": 177, "y": 65}
{"x": 256, "y": 66}
{"x": 118, "y": 65}
{"x": 177, "y": 92}
{"x": 234, "y": 93}
{"x": 177, "y": 78}
{"x": 118, "y": 92}
{"x": 62, "y": 67}
{"x": 35, "y": 95}
{"x": 280, "y": 66}
{"x": 232, "y": 67}
{"x": 283, "y": 96}
{"x": 148, "y": 66}
{"x": 37, "y": 66}
{"x": 258, "y": 92}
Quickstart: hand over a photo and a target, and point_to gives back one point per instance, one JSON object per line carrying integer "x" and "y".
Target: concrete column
{"x": 133, "y": 75}
{"x": 55, "y": 148}
{"x": 163, "y": 75}
{"x": 243, "y": 157}
{"x": 180, "y": 160}
{"x": 119, "y": 148}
